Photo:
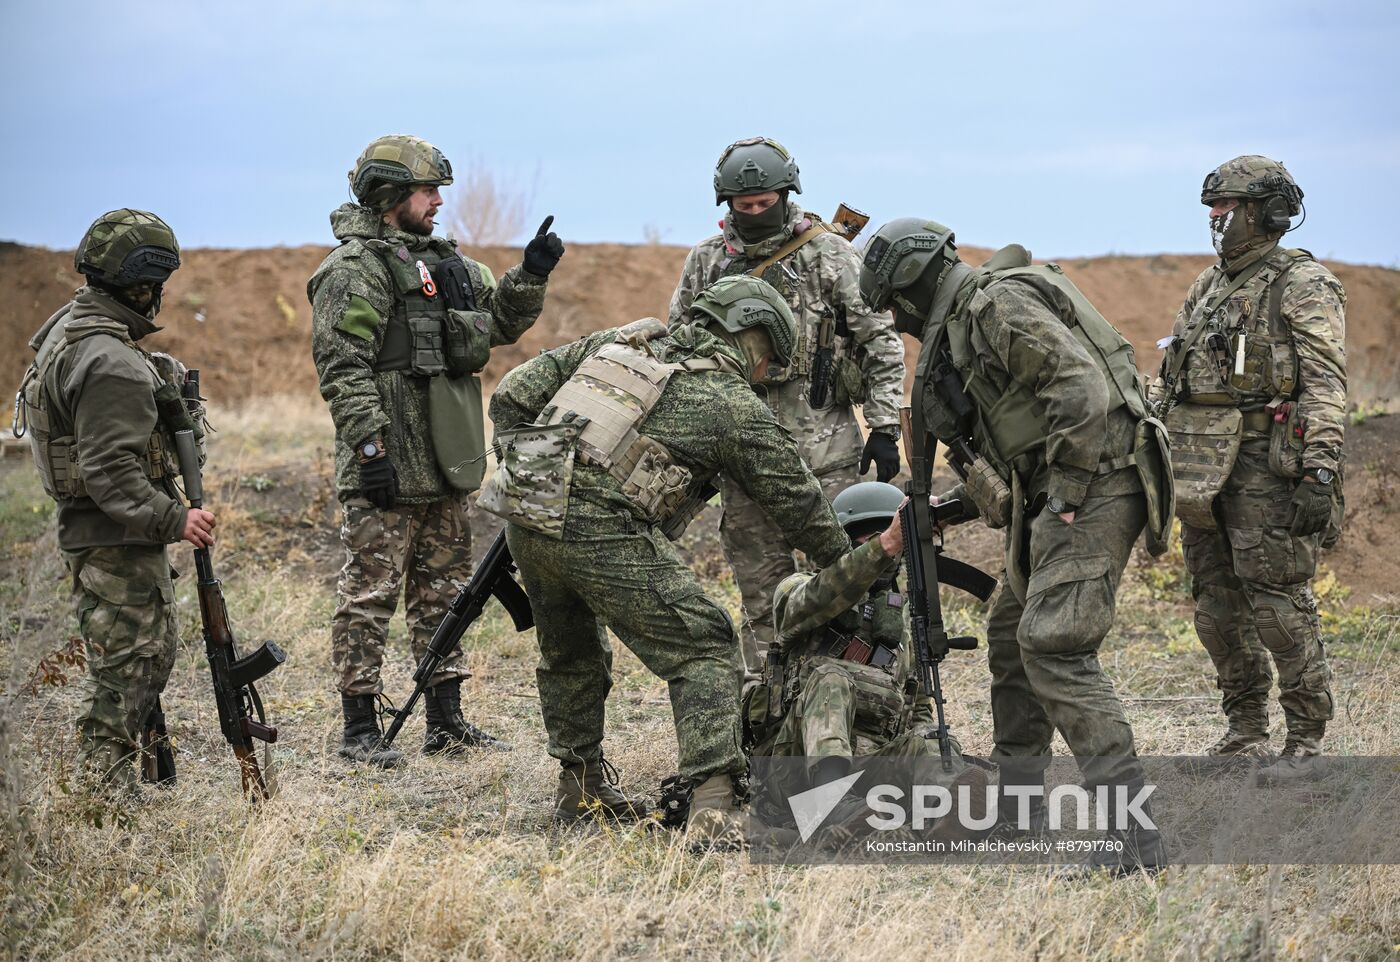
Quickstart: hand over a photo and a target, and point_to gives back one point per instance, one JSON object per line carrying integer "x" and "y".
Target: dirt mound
{"x": 242, "y": 315}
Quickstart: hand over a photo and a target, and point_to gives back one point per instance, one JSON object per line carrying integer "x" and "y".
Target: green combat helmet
{"x": 390, "y": 166}
{"x": 124, "y": 248}
{"x": 755, "y": 166}
{"x": 903, "y": 261}
{"x": 867, "y": 506}
{"x": 740, "y": 302}
{"x": 1252, "y": 177}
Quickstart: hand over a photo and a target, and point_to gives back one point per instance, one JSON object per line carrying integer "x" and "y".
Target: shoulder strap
{"x": 817, "y": 229}
{"x": 1179, "y": 361}
{"x": 1276, "y": 325}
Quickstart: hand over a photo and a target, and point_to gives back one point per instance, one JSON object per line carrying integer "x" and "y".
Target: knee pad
{"x": 1273, "y": 631}
{"x": 1212, "y": 638}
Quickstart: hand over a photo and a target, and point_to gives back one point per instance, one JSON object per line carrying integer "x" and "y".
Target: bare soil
{"x": 242, "y": 317}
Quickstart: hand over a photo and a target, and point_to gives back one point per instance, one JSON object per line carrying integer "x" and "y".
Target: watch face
{"x": 1324, "y": 476}
{"x": 370, "y": 450}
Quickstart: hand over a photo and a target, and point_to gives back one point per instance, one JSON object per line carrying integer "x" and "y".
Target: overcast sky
{"x": 1074, "y": 128}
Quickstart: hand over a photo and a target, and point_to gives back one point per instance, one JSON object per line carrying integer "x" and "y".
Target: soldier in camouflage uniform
{"x": 1039, "y": 399}
{"x": 1254, "y": 383}
{"x": 101, "y": 413}
{"x": 843, "y": 699}
{"x": 400, "y": 326}
{"x": 607, "y": 447}
{"x": 820, "y": 280}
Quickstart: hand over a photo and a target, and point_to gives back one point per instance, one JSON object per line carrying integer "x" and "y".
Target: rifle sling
{"x": 1179, "y": 359}
{"x": 810, "y": 234}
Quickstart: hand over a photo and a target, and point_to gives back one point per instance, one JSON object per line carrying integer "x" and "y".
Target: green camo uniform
{"x": 818, "y": 280}
{"x": 1045, "y": 631}
{"x": 835, "y": 707}
{"x": 612, "y": 567}
{"x": 1250, "y": 574}
{"x": 371, "y": 278}
{"x": 1040, "y": 399}
{"x": 117, "y": 510}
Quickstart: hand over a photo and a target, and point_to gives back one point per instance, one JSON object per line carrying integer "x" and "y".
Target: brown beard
{"x": 420, "y": 225}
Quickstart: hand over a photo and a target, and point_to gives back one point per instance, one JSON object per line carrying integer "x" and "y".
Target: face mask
{"x": 753, "y": 228}
{"x": 1229, "y": 232}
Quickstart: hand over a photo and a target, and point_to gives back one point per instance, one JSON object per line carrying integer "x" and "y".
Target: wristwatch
{"x": 1058, "y": 506}
{"x": 1322, "y": 475}
{"x": 371, "y": 450}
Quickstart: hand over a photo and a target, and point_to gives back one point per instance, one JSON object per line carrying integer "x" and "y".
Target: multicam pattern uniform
{"x": 614, "y": 569}
{"x": 425, "y": 537}
{"x": 818, "y": 279}
{"x": 1044, "y": 634}
{"x": 100, "y": 390}
{"x": 1251, "y": 576}
{"x": 842, "y": 708}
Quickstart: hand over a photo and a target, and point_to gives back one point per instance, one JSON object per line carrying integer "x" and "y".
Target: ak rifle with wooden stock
{"x": 241, "y": 716}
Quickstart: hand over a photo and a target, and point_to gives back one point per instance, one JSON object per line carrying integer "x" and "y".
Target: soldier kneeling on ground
{"x": 850, "y": 687}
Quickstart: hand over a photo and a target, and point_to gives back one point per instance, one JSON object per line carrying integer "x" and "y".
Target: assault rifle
{"x": 823, "y": 359}
{"x": 241, "y": 715}
{"x": 925, "y": 571}
{"x": 492, "y": 577}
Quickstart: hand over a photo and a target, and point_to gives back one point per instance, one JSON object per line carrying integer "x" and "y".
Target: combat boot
{"x": 1295, "y": 762}
{"x": 1241, "y": 742}
{"x": 448, "y": 732}
{"x": 114, "y": 764}
{"x": 717, "y": 818}
{"x": 1130, "y": 848}
{"x": 362, "y": 734}
{"x": 590, "y": 790}
{"x": 1009, "y": 826}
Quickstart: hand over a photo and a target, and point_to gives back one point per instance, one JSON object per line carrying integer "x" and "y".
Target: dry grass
{"x": 457, "y": 860}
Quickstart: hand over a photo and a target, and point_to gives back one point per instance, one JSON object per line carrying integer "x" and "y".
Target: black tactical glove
{"x": 884, "y": 451}
{"x": 544, "y": 250}
{"x": 379, "y": 482}
{"x": 1312, "y": 503}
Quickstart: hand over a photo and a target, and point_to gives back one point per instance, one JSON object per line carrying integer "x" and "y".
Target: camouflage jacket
{"x": 710, "y": 421}
{"x": 352, "y": 293}
{"x": 1017, "y": 336}
{"x": 818, "y": 279}
{"x": 101, "y": 391}
{"x": 838, "y": 598}
{"x": 1312, "y": 308}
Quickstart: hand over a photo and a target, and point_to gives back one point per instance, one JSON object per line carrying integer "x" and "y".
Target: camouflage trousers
{"x": 125, "y": 602}
{"x": 1044, "y": 651}
{"x": 760, "y": 557}
{"x": 424, "y": 548}
{"x": 837, "y": 713}
{"x": 1250, "y": 578}
{"x": 626, "y": 576}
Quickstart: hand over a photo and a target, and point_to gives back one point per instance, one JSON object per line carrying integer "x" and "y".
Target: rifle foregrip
{"x": 187, "y": 451}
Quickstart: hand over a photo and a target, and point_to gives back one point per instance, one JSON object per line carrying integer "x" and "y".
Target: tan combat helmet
{"x": 391, "y": 166}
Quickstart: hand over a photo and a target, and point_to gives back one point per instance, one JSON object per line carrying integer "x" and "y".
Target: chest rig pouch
{"x": 55, "y": 448}
{"x": 436, "y": 332}
{"x": 433, "y": 300}
{"x": 595, "y": 415}
{"x": 1234, "y": 353}
{"x": 865, "y": 644}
